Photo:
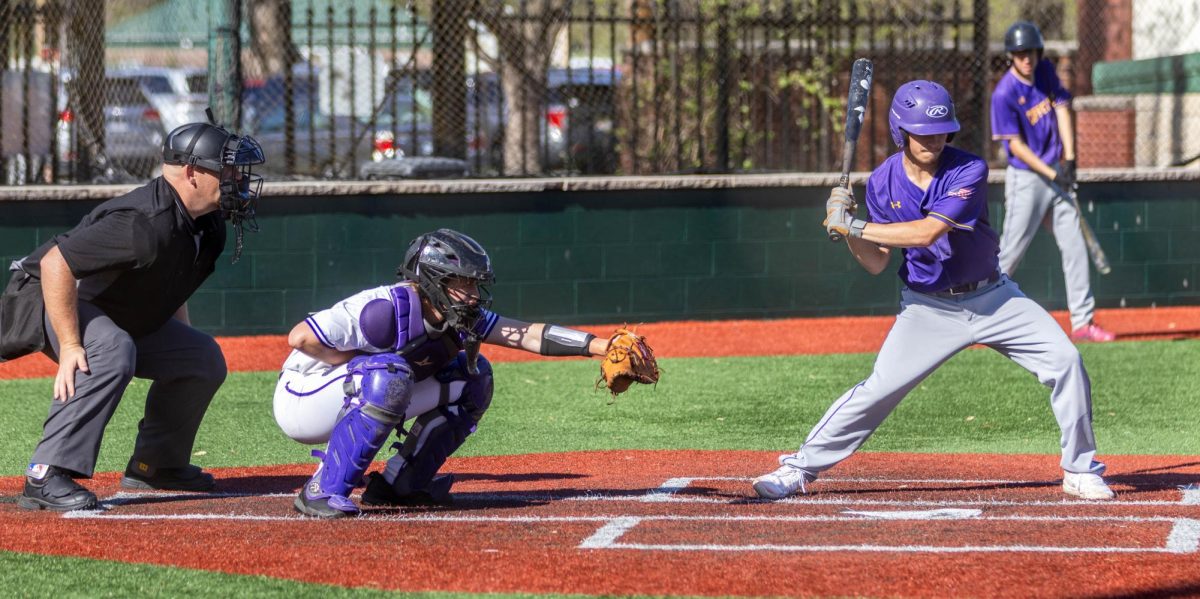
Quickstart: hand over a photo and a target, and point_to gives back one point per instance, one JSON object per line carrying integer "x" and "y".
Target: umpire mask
{"x": 214, "y": 148}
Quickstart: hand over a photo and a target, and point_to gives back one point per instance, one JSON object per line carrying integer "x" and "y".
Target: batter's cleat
{"x": 313, "y": 502}
{"x": 784, "y": 481}
{"x": 1086, "y": 485}
{"x": 142, "y": 476}
{"x": 56, "y": 491}
{"x": 379, "y": 492}
{"x": 1091, "y": 333}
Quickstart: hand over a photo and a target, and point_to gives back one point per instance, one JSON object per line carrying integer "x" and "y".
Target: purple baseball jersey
{"x": 957, "y": 196}
{"x": 1027, "y": 111}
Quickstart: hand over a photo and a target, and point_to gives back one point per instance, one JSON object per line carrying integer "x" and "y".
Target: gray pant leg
{"x": 926, "y": 334}
{"x": 1026, "y": 200}
{"x": 73, "y": 430}
{"x": 1075, "y": 263}
{"x": 1023, "y": 331}
{"x": 186, "y": 367}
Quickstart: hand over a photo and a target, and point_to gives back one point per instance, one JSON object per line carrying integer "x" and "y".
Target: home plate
{"x": 942, "y": 514}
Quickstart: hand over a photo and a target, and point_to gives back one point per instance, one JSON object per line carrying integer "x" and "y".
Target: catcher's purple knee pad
{"x": 437, "y": 434}
{"x": 385, "y": 390}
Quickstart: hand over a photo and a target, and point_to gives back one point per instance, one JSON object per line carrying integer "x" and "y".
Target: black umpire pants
{"x": 185, "y": 365}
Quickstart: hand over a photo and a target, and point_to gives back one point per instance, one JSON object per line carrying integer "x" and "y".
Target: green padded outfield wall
{"x": 613, "y": 257}
{"x": 1177, "y": 74}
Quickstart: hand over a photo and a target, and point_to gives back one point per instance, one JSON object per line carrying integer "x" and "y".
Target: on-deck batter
{"x": 930, "y": 200}
{"x": 1031, "y": 114}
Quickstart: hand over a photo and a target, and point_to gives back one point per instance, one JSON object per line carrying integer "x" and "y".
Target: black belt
{"x": 969, "y": 287}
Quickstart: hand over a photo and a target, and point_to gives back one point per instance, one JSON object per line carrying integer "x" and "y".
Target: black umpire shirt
{"x": 140, "y": 256}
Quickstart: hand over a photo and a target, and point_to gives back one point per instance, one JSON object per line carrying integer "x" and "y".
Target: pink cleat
{"x": 1091, "y": 332}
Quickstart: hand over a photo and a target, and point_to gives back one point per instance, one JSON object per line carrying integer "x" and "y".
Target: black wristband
{"x": 561, "y": 341}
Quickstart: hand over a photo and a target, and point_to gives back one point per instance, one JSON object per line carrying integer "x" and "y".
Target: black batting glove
{"x": 1064, "y": 174}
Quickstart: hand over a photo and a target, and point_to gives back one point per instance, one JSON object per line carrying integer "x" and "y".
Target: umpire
{"x": 115, "y": 291}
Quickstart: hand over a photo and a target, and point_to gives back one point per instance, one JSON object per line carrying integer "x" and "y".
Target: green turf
{"x": 31, "y": 576}
{"x": 1143, "y": 395}
{"x": 977, "y": 402}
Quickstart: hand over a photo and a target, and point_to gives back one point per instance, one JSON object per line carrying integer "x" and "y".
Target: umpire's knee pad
{"x": 386, "y": 385}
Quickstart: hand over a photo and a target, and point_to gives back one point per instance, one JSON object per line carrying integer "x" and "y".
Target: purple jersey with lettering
{"x": 957, "y": 196}
{"x": 1027, "y": 111}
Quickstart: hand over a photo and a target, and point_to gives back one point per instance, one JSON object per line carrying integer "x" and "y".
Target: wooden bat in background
{"x": 1099, "y": 260}
{"x": 856, "y": 110}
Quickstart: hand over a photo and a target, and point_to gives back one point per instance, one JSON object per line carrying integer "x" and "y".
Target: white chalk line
{"x": 1183, "y": 538}
{"x": 849, "y": 517}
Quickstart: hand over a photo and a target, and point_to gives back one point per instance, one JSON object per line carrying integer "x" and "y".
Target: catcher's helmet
{"x": 213, "y": 147}
{"x": 1023, "y": 35}
{"x": 924, "y": 108}
{"x": 433, "y": 259}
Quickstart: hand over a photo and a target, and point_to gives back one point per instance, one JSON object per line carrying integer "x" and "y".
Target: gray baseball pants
{"x": 185, "y": 365}
{"x": 929, "y": 330}
{"x": 1029, "y": 202}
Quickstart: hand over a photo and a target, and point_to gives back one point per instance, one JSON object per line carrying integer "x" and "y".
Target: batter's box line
{"x": 669, "y": 491}
{"x": 1183, "y": 538}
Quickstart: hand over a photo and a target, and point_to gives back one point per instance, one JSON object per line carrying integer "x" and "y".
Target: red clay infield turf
{"x": 680, "y": 339}
{"x": 676, "y": 522}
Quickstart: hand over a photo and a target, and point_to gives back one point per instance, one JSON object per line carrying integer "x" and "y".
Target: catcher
{"x": 410, "y": 350}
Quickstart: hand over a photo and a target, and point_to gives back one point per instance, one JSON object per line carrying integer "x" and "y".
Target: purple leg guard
{"x": 439, "y": 433}
{"x": 386, "y": 388}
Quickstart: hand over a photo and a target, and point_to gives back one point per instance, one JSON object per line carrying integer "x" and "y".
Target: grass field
{"x": 1143, "y": 397}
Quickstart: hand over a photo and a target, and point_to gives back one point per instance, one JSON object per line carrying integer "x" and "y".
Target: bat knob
{"x": 835, "y": 237}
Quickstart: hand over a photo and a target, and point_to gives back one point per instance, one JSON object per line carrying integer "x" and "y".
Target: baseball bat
{"x": 856, "y": 110}
{"x": 1099, "y": 260}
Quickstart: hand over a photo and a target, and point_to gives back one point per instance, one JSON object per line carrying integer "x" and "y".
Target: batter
{"x": 930, "y": 202}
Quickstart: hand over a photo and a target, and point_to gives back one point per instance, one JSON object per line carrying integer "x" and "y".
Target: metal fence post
{"x": 722, "y": 107}
{"x": 224, "y": 61}
{"x": 979, "y": 72}
{"x": 449, "y": 79}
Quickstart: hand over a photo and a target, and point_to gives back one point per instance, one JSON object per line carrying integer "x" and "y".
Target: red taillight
{"x": 150, "y": 114}
{"x": 66, "y": 116}
{"x": 556, "y": 116}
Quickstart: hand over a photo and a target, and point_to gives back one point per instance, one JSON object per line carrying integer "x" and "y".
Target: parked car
{"x": 329, "y": 146}
{"x": 179, "y": 94}
{"x": 576, "y": 135}
{"x": 133, "y": 130}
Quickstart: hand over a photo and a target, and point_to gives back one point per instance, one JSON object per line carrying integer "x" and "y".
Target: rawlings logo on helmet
{"x": 937, "y": 111}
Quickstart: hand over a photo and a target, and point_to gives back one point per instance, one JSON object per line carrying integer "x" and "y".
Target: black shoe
{"x": 379, "y": 492}
{"x": 56, "y": 491}
{"x": 142, "y": 476}
{"x": 323, "y": 505}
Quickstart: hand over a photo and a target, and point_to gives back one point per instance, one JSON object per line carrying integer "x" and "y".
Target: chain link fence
{"x": 350, "y": 89}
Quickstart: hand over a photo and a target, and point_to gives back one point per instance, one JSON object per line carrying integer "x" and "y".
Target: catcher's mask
{"x": 446, "y": 259}
{"x": 214, "y": 148}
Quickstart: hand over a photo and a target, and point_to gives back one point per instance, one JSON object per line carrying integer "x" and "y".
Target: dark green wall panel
{"x": 614, "y": 257}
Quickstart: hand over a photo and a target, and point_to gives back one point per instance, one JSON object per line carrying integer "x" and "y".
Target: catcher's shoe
{"x": 56, "y": 491}
{"x": 313, "y": 502}
{"x": 784, "y": 481}
{"x": 142, "y": 476}
{"x": 379, "y": 492}
{"x": 1086, "y": 485}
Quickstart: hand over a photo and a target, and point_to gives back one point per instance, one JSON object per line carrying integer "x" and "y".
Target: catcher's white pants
{"x": 1030, "y": 202}
{"x": 929, "y": 330}
{"x": 308, "y": 406}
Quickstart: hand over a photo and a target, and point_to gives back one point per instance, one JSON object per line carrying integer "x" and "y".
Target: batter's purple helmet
{"x": 924, "y": 108}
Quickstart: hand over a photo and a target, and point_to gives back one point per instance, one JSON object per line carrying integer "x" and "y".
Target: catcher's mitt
{"x": 627, "y": 360}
